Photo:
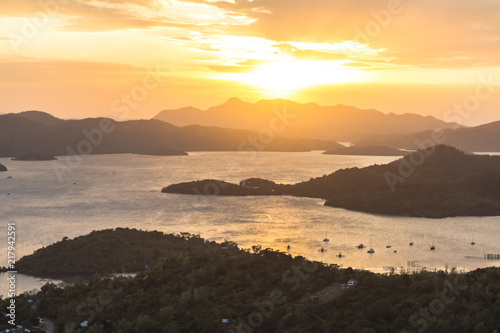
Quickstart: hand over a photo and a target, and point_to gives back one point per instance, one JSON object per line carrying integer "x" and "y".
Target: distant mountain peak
{"x": 39, "y": 117}
{"x": 310, "y": 120}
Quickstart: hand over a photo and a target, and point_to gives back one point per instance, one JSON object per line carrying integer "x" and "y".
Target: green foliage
{"x": 197, "y": 283}
{"x": 122, "y": 250}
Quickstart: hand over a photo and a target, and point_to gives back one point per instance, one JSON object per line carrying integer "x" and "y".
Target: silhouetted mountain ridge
{"x": 39, "y": 133}
{"x": 483, "y": 138}
{"x": 436, "y": 182}
{"x": 338, "y": 123}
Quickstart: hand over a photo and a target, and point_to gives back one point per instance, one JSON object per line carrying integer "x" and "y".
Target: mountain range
{"x": 483, "y": 138}
{"x": 337, "y": 123}
{"x": 39, "y": 132}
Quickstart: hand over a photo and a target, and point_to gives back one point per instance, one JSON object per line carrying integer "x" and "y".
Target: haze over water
{"x": 108, "y": 191}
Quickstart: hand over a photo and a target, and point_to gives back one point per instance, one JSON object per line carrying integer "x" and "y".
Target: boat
{"x": 472, "y": 243}
{"x": 388, "y": 246}
{"x": 371, "y": 250}
{"x": 9, "y": 177}
{"x": 411, "y": 243}
{"x": 322, "y": 250}
{"x": 288, "y": 247}
{"x": 361, "y": 246}
{"x": 433, "y": 247}
{"x": 326, "y": 237}
{"x": 340, "y": 255}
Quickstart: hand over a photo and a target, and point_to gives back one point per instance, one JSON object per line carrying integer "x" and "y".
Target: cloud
{"x": 425, "y": 33}
{"x": 356, "y": 64}
{"x": 310, "y": 54}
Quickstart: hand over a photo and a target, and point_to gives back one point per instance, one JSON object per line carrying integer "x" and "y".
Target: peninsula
{"x": 437, "y": 182}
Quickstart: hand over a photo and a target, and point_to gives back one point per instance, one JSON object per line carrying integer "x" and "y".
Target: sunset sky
{"x": 81, "y": 58}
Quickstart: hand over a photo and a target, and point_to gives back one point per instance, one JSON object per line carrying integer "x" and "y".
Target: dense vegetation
{"x": 436, "y": 182}
{"x": 26, "y": 316}
{"x": 39, "y": 132}
{"x": 266, "y": 291}
{"x": 3, "y": 167}
{"x": 122, "y": 250}
{"x": 422, "y": 302}
{"x": 366, "y": 150}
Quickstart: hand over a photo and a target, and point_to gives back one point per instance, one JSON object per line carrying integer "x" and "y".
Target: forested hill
{"x": 200, "y": 286}
{"x": 436, "y": 182}
{"x": 121, "y": 250}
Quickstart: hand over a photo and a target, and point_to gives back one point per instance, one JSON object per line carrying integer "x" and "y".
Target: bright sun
{"x": 285, "y": 78}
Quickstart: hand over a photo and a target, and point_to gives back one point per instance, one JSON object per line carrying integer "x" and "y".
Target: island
{"x": 204, "y": 286}
{"x": 126, "y": 251}
{"x": 3, "y": 167}
{"x": 34, "y": 157}
{"x": 436, "y": 182}
{"x": 367, "y": 151}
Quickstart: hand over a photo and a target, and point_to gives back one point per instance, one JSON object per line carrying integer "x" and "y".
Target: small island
{"x": 3, "y": 167}
{"x": 34, "y": 157}
{"x": 437, "y": 182}
{"x": 366, "y": 151}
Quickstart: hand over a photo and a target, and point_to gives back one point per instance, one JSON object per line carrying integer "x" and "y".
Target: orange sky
{"x": 78, "y": 58}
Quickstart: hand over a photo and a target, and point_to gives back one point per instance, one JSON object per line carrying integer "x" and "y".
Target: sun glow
{"x": 285, "y": 78}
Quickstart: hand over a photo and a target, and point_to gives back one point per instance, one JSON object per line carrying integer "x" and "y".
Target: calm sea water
{"x": 107, "y": 191}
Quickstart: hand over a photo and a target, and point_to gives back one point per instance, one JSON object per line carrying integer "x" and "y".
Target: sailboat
{"x": 371, "y": 250}
{"x": 326, "y": 237}
{"x": 433, "y": 247}
{"x": 411, "y": 242}
{"x": 472, "y": 243}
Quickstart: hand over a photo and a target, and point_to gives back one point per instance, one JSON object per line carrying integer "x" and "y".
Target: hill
{"x": 366, "y": 150}
{"x": 337, "y": 123}
{"x": 200, "y": 286}
{"x": 40, "y": 117}
{"x": 483, "y": 138}
{"x": 21, "y": 135}
{"x": 437, "y": 182}
{"x": 3, "y": 167}
{"x": 127, "y": 250}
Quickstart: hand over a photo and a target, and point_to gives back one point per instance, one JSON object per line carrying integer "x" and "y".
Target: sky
{"x": 81, "y": 58}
